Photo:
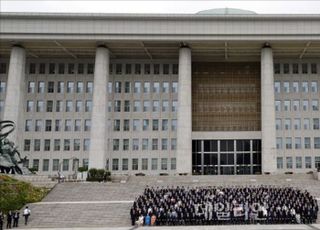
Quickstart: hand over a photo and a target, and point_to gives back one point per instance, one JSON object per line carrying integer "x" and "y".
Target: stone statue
{"x": 10, "y": 158}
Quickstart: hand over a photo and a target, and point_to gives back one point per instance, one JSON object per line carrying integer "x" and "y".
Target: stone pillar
{"x": 98, "y": 134}
{"x": 184, "y": 116}
{"x": 13, "y": 108}
{"x": 268, "y": 129}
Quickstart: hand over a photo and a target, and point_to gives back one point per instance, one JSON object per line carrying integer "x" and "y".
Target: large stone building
{"x": 218, "y": 92}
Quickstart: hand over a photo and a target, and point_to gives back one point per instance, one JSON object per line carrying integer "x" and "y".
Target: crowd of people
{"x": 223, "y": 205}
{"x": 12, "y": 218}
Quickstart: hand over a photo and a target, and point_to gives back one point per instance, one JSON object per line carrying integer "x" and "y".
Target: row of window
{"x": 145, "y": 87}
{"x": 58, "y": 145}
{"x": 57, "y": 125}
{"x": 146, "y": 106}
{"x": 144, "y": 164}
{"x": 144, "y": 125}
{"x": 295, "y": 105}
{"x": 298, "y": 163}
{"x": 82, "y": 68}
{"x": 64, "y": 165}
{"x": 286, "y": 124}
{"x": 296, "y": 87}
{"x": 39, "y": 106}
{"x": 60, "y": 87}
{"x": 146, "y": 144}
{"x": 297, "y": 143}
{"x": 295, "y": 68}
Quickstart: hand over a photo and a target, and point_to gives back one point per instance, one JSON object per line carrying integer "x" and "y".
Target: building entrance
{"x": 226, "y": 157}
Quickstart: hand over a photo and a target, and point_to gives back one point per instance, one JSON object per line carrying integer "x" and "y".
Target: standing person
{"x": 16, "y": 218}
{"x": 9, "y": 219}
{"x": 1, "y": 220}
{"x": 26, "y": 214}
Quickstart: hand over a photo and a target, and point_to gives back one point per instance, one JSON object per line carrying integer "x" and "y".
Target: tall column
{"x": 98, "y": 135}
{"x": 267, "y": 112}
{"x": 13, "y": 108}
{"x": 184, "y": 130}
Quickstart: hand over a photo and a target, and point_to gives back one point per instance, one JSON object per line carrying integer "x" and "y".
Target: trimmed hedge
{"x": 15, "y": 194}
{"x": 98, "y": 175}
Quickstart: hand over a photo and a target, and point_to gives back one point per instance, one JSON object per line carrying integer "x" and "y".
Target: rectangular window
{"x": 308, "y": 162}
{"x": 27, "y": 143}
{"x": 316, "y": 124}
{"x": 165, "y": 87}
{"x": 145, "y": 144}
{"x": 61, "y": 68}
{"x": 117, "y": 87}
{"x": 304, "y": 68}
{"x": 306, "y": 123}
{"x": 156, "y": 69}
{"x": 154, "y": 144}
{"x": 40, "y": 106}
{"x": 128, "y": 69}
{"x": 77, "y": 125}
{"x": 277, "y": 87}
{"x": 156, "y": 87}
{"x": 288, "y": 143}
{"x": 297, "y": 141}
{"x": 295, "y": 68}
{"x": 49, "y": 106}
{"x": 305, "y": 105}
{"x": 155, "y": 125}
{"x": 146, "y": 87}
{"x": 115, "y": 164}
{"x": 286, "y": 69}
{"x": 314, "y": 68}
{"x": 48, "y": 125}
{"x": 137, "y": 87}
{"x": 164, "y": 163}
{"x": 127, "y": 87}
{"x": 135, "y": 164}
{"x": 76, "y": 144}
{"x": 47, "y": 145}
{"x": 145, "y": 126}
{"x": 32, "y": 68}
{"x": 126, "y": 125}
{"x": 125, "y": 144}
{"x": 35, "y": 165}
{"x": 41, "y": 86}
{"x": 42, "y": 69}
{"x": 279, "y": 163}
{"x": 38, "y": 126}
{"x": 295, "y": 87}
{"x": 174, "y": 106}
{"x": 155, "y": 106}
{"x": 67, "y": 126}
{"x": 137, "y": 69}
{"x": 164, "y": 144}
{"x": 298, "y": 162}
{"x": 307, "y": 142}
{"x": 117, "y": 106}
{"x": 305, "y": 87}
{"x": 136, "y": 125}
{"x": 135, "y": 144}
{"x": 146, "y": 106}
{"x": 50, "y": 87}
{"x": 116, "y": 125}
{"x": 136, "y": 106}
{"x": 109, "y": 87}
{"x": 60, "y": 86}
{"x": 30, "y": 105}
{"x": 165, "y": 68}
{"x": 125, "y": 164}
{"x": 278, "y": 124}
{"x": 57, "y": 144}
{"x": 37, "y": 145}
{"x": 173, "y": 143}
{"x": 317, "y": 162}
{"x": 289, "y": 162}
{"x": 317, "y": 142}
{"x": 57, "y": 126}
{"x": 3, "y": 68}
{"x": 315, "y": 105}
{"x": 154, "y": 164}
{"x": 314, "y": 87}
{"x": 174, "y": 125}
{"x": 65, "y": 165}
{"x": 116, "y": 144}
{"x": 297, "y": 124}
{"x": 66, "y": 145}
{"x": 118, "y": 68}
{"x": 287, "y": 124}
{"x": 165, "y": 106}
{"x": 70, "y": 68}
{"x": 147, "y": 69}
{"x": 79, "y": 87}
{"x": 55, "y": 165}
{"x": 69, "y": 106}
{"x": 175, "y": 69}
{"x": 89, "y": 88}
{"x": 287, "y": 105}
{"x": 278, "y": 106}
{"x": 78, "y": 106}
{"x": 144, "y": 164}
{"x": 52, "y": 68}
{"x": 173, "y": 163}
{"x": 90, "y": 68}
{"x": 276, "y": 68}
{"x": 87, "y": 125}
{"x": 279, "y": 142}
{"x": 70, "y": 86}
{"x": 296, "y": 105}
{"x": 88, "y": 107}
{"x": 174, "y": 87}
{"x": 86, "y": 144}
{"x": 164, "y": 126}
{"x": 31, "y": 87}
{"x": 28, "y": 126}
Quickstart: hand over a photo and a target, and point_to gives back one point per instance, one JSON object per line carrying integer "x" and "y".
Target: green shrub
{"x": 98, "y": 175}
{"x": 15, "y": 194}
{"x": 82, "y": 169}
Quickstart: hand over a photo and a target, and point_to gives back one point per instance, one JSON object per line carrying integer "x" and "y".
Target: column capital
{"x": 266, "y": 45}
{"x": 184, "y": 45}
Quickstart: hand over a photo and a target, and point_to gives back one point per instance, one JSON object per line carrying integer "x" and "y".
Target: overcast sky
{"x": 103, "y": 6}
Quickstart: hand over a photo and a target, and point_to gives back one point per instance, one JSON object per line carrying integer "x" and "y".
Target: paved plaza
{"x": 96, "y": 205}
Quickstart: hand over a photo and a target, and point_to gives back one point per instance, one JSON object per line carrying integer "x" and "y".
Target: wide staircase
{"x": 36, "y": 180}
{"x": 108, "y": 204}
